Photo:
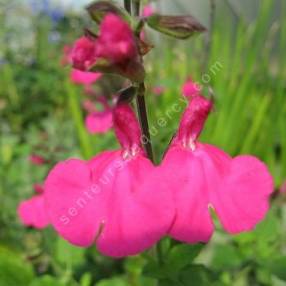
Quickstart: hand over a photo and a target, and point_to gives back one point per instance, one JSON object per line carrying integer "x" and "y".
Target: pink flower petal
{"x": 86, "y": 78}
{"x": 126, "y": 127}
{"x": 109, "y": 201}
{"x": 116, "y": 41}
{"x": 68, "y": 189}
{"x": 139, "y": 213}
{"x": 148, "y": 11}
{"x": 190, "y": 89}
{"x": 158, "y": 90}
{"x": 37, "y": 159}
{"x": 237, "y": 189}
{"x": 99, "y": 122}
{"x": 38, "y": 188}
{"x": 33, "y": 213}
{"x": 192, "y": 175}
{"x": 82, "y": 54}
{"x": 242, "y": 200}
{"x": 193, "y": 120}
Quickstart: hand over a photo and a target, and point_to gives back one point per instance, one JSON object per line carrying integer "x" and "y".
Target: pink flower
{"x": 148, "y": 11}
{"x": 190, "y": 88}
{"x": 158, "y": 90}
{"x": 74, "y": 55}
{"x": 116, "y": 42}
{"x": 116, "y": 200}
{"x": 98, "y": 121}
{"x": 83, "y": 53}
{"x": 89, "y": 105}
{"x": 203, "y": 177}
{"x": 85, "y": 78}
{"x": 37, "y": 159}
{"x": 38, "y": 188}
{"x": 113, "y": 51}
{"x": 142, "y": 36}
{"x": 32, "y": 212}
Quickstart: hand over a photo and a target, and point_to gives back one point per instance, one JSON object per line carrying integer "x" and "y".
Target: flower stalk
{"x": 140, "y": 98}
{"x": 127, "y": 5}
{"x": 143, "y": 119}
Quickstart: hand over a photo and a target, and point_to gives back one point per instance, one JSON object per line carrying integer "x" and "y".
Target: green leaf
{"x": 46, "y": 280}
{"x": 68, "y": 254}
{"x": 98, "y": 10}
{"x": 182, "y": 255}
{"x": 116, "y": 281}
{"x": 196, "y": 275}
{"x": 178, "y": 258}
{"x": 154, "y": 270}
{"x": 278, "y": 266}
{"x": 14, "y": 270}
{"x": 226, "y": 257}
{"x": 180, "y": 27}
{"x": 86, "y": 279}
{"x": 165, "y": 246}
{"x": 167, "y": 282}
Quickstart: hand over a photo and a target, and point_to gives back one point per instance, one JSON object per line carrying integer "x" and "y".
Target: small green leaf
{"x": 278, "y": 266}
{"x": 116, "y": 281}
{"x": 14, "y": 270}
{"x": 86, "y": 279}
{"x": 165, "y": 246}
{"x": 181, "y": 27}
{"x": 197, "y": 275}
{"x": 226, "y": 257}
{"x": 182, "y": 255}
{"x": 154, "y": 270}
{"x": 193, "y": 275}
{"x": 179, "y": 257}
{"x": 46, "y": 280}
{"x": 68, "y": 254}
{"x": 167, "y": 282}
{"x": 98, "y": 10}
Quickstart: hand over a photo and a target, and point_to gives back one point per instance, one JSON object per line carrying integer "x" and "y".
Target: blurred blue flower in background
{"x": 47, "y": 8}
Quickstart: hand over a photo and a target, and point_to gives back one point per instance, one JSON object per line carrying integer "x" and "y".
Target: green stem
{"x": 136, "y": 7}
{"x": 142, "y": 111}
{"x": 140, "y": 98}
{"x": 127, "y": 5}
{"x": 143, "y": 119}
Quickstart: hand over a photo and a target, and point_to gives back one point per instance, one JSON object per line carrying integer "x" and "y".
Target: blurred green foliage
{"x": 40, "y": 112}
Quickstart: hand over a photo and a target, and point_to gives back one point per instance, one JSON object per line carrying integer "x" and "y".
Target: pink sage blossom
{"x": 115, "y": 200}
{"x": 148, "y": 11}
{"x": 190, "y": 88}
{"x": 85, "y": 78}
{"x": 203, "y": 177}
{"x": 32, "y": 212}
{"x": 98, "y": 121}
{"x": 37, "y": 159}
